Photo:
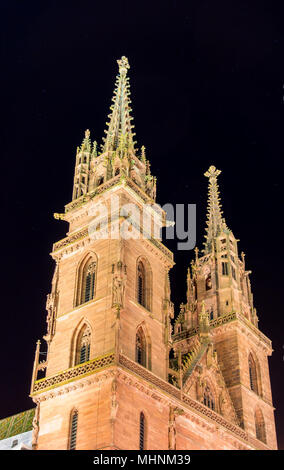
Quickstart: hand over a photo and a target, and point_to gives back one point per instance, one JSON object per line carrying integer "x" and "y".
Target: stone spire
{"x": 119, "y": 128}
{"x": 215, "y": 222}
{"x": 117, "y": 156}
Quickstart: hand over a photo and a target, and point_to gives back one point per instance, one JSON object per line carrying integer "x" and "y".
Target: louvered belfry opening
{"x": 141, "y": 347}
{"x": 141, "y": 281}
{"x": 260, "y": 426}
{"x": 88, "y": 282}
{"x": 73, "y": 430}
{"x": 142, "y": 432}
{"x": 252, "y": 374}
{"x": 208, "y": 398}
{"x": 84, "y": 353}
{"x": 83, "y": 345}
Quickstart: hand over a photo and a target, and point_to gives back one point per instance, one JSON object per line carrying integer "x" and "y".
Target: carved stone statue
{"x": 118, "y": 285}
{"x": 114, "y": 404}
{"x": 200, "y": 388}
{"x": 172, "y": 429}
{"x": 222, "y": 402}
{"x": 118, "y": 292}
{"x": 35, "y": 428}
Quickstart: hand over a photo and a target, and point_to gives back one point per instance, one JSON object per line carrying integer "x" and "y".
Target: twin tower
{"x": 118, "y": 374}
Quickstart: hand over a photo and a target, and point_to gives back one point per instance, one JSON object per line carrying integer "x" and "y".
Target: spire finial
{"x": 119, "y": 126}
{"x": 212, "y": 172}
{"x": 215, "y": 221}
{"x": 87, "y": 133}
{"x": 123, "y": 65}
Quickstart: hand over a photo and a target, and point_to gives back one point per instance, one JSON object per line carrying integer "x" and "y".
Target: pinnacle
{"x": 215, "y": 221}
{"x": 119, "y": 123}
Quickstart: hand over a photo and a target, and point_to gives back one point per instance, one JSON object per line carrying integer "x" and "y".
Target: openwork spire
{"x": 119, "y": 129}
{"x": 215, "y": 222}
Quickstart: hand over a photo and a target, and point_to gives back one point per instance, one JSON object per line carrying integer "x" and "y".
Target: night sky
{"x": 207, "y": 88}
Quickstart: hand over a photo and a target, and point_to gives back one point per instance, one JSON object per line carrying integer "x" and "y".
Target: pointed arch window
{"x": 144, "y": 284}
{"x": 225, "y": 269}
{"x": 252, "y": 374}
{"x": 208, "y": 398}
{"x": 141, "y": 356}
{"x": 260, "y": 426}
{"x": 208, "y": 282}
{"x": 86, "y": 281}
{"x": 141, "y": 283}
{"x": 100, "y": 180}
{"x": 73, "y": 430}
{"x": 142, "y": 432}
{"x": 83, "y": 345}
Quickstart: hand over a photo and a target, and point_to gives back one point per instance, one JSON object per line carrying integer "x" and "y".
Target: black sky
{"x": 207, "y": 88}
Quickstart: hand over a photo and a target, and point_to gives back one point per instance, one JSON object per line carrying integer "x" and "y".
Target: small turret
{"x": 82, "y": 168}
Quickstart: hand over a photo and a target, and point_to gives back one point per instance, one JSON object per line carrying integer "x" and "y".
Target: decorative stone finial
{"x": 87, "y": 133}
{"x": 123, "y": 64}
{"x": 212, "y": 172}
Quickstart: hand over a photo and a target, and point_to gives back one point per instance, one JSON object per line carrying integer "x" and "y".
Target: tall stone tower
{"x": 115, "y": 374}
{"x": 218, "y": 283}
{"x": 110, "y": 291}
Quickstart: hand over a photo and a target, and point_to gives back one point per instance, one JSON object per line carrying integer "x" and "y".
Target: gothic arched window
{"x": 142, "y": 432}
{"x": 260, "y": 425}
{"x": 86, "y": 281}
{"x": 73, "y": 430}
{"x": 208, "y": 282}
{"x": 252, "y": 374}
{"x": 100, "y": 180}
{"x": 83, "y": 345}
{"x": 140, "y": 348}
{"x": 141, "y": 284}
{"x": 208, "y": 398}
{"x": 144, "y": 284}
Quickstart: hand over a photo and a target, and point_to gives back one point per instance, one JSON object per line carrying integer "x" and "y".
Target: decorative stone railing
{"x": 86, "y": 197}
{"x": 215, "y": 417}
{"x": 81, "y": 234}
{"x": 149, "y": 376}
{"x": 259, "y": 445}
{"x": 74, "y": 373}
{"x": 221, "y": 321}
{"x": 70, "y": 240}
{"x": 108, "y": 360}
{"x": 172, "y": 390}
{"x": 107, "y": 185}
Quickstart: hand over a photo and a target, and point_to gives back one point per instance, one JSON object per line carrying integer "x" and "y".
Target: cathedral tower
{"x": 218, "y": 283}
{"x": 110, "y": 290}
{"x": 115, "y": 375}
